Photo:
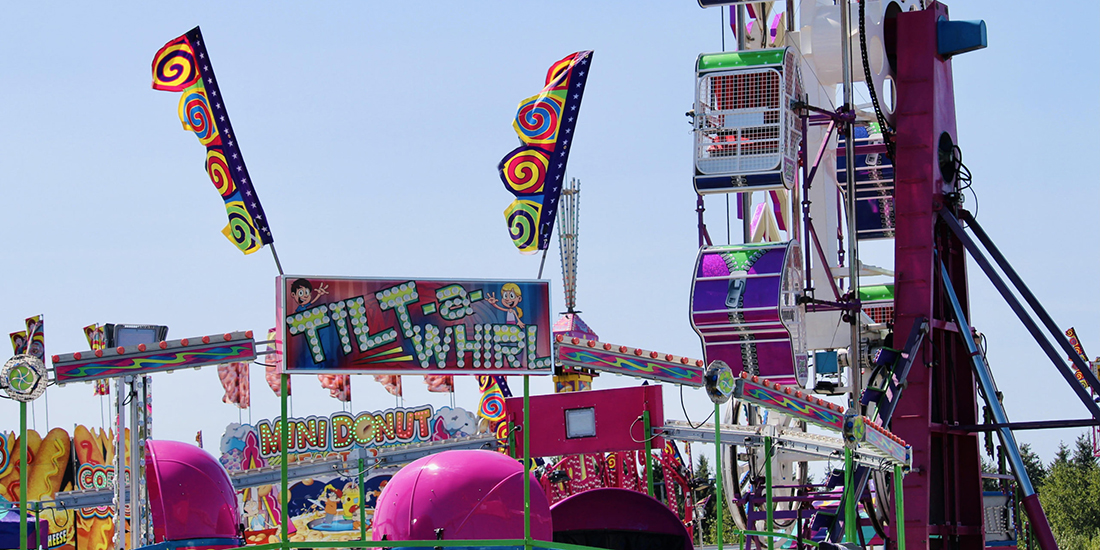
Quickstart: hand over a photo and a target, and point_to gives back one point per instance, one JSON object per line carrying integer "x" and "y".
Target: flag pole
{"x": 543, "y": 262}
{"x": 275, "y": 255}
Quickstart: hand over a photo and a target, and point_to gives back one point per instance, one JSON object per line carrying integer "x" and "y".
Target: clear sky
{"x": 373, "y": 130}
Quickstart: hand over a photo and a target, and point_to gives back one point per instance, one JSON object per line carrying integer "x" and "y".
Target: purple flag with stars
{"x": 183, "y": 65}
{"x": 534, "y": 172}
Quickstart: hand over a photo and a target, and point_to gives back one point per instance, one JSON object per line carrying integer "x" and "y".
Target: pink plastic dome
{"x": 468, "y": 494}
{"x": 190, "y": 495}
{"x": 612, "y": 517}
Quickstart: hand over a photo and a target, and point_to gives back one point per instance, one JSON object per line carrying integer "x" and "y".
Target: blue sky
{"x": 372, "y": 132}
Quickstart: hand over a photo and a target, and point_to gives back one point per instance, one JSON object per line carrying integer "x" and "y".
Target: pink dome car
{"x": 460, "y": 495}
{"x": 190, "y": 495}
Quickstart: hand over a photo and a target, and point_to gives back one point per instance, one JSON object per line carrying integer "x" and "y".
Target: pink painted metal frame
{"x": 618, "y": 415}
{"x": 636, "y": 362}
{"x": 943, "y": 497}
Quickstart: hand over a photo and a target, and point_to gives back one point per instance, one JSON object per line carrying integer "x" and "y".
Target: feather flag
{"x": 534, "y": 171}
{"x": 491, "y": 406}
{"x": 98, "y": 340}
{"x": 234, "y": 379}
{"x": 36, "y": 340}
{"x": 392, "y": 383}
{"x": 338, "y": 386}
{"x": 183, "y": 65}
{"x": 440, "y": 383}
{"x": 274, "y": 366}
{"x": 19, "y": 342}
{"x": 32, "y": 340}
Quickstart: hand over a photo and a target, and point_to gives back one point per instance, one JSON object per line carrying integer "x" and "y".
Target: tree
{"x": 705, "y": 490}
{"x": 1070, "y": 494}
{"x": 1082, "y": 453}
{"x": 1062, "y": 456}
{"x": 989, "y": 483}
{"x": 1033, "y": 465}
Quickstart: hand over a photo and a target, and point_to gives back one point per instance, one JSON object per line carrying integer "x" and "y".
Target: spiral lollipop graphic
{"x": 523, "y": 171}
{"x": 174, "y": 66}
{"x": 523, "y": 219}
{"x": 484, "y": 382}
{"x": 240, "y": 230}
{"x": 492, "y": 406}
{"x": 538, "y": 118}
{"x": 194, "y": 111}
{"x": 554, "y": 76}
{"x": 218, "y": 170}
{"x": 502, "y": 431}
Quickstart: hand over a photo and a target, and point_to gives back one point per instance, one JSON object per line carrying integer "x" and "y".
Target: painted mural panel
{"x": 328, "y": 508}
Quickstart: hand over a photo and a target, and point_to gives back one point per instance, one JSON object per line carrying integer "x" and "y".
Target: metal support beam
{"x": 886, "y": 412}
{"x": 1008, "y": 440}
{"x": 1040, "y": 311}
{"x": 1022, "y": 313}
{"x": 1035, "y": 425}
{"x": 769, "y": 504}
{"x": 23, "y": 477}
{"x": 720, "y": 500}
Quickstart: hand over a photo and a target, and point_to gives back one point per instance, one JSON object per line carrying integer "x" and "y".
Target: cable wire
{"x": 884, "y": 126}
{"x": 683, "y": 408}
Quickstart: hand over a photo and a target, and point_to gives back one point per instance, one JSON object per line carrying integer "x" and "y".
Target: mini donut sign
{"x": 405, "y": 326}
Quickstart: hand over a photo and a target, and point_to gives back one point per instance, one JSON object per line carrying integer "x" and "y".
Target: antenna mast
{"x": 568, "y": 235}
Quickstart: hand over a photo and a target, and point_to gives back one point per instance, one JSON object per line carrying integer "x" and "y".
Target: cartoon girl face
{"x": 509, "y": 299}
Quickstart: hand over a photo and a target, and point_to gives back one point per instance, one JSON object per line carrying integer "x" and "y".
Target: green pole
{"x": 768, "y": 490}
{"x": 284, "y": 437}
{"x": 899, "y": 506}
{"x": 649, "y": 485}
{"x": 527, "y": 462}
{"x": 362, "y": 504}
{"x": 720, "y": 500}
{"x": 851, "y": 517}
{"x": 23, "y": 476}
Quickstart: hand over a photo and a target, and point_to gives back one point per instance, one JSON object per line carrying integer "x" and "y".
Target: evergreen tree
{"x": 705, "y": 489}
{"x": 989, "y": 483}
{"x": 1061, "y": 457}
{"x": 1033, "y": 465}
{"x": 1070, "y": 494}
{"x": 1082, "y": 453}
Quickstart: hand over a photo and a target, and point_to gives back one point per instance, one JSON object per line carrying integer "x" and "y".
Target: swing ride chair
{"x": 746, "y": 134}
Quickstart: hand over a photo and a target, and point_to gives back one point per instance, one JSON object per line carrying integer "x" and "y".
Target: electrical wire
{"x": 630, "y": 432}
{"x": 683, "y": 408}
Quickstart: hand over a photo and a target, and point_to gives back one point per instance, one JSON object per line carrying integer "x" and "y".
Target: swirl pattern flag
{"x": 523, "y": 219}
{"x": 534, "y": 171}
{"x": 491, "y": 406}
{"x": 183, "y": 65}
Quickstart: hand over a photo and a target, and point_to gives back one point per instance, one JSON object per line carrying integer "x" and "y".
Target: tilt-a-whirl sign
{"x": 394, "y": 326}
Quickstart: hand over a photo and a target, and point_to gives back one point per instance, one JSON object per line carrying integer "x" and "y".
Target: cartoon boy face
{"x": 302, "y": 295}
{"x": 509, "y": 299}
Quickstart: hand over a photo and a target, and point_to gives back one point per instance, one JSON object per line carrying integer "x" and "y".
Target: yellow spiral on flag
{"x": 241, "y": 230}
{"x": 523, "y": 224}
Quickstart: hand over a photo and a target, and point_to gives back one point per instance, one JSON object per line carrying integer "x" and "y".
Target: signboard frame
{"x": 403, "y": 326}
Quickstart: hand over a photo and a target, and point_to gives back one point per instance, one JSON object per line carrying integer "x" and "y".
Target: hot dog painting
{"x": 57, "y": 462}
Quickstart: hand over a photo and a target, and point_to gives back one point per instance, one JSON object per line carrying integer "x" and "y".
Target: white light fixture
{"x": 580, "y": 423}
